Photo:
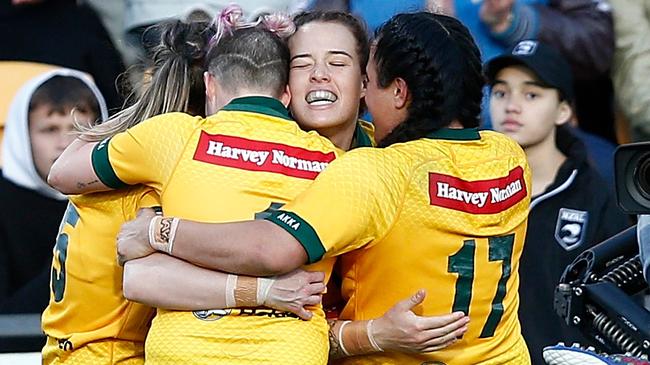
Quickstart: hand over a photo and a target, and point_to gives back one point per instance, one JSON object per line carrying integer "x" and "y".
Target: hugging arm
{"x": 166, "y": 282}
{"x": 399, "y": 329}
{"x": 256, "y": 248}
{"x": 73, "y": 173}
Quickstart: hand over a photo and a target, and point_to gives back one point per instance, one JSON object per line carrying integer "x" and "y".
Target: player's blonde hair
{"x": 176, "y": 83}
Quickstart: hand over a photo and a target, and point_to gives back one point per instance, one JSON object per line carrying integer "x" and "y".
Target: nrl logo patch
{"x": 211, "y": 314}
{"x": 571, "y": 228}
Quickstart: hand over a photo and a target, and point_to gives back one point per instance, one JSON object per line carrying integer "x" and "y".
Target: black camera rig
{"x": 604, "y": 294}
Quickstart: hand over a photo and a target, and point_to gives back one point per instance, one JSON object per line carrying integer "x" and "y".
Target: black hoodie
{"x": 575, "y": 212}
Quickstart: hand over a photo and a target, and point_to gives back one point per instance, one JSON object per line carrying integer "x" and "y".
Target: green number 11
{"x": 462, "y": 263}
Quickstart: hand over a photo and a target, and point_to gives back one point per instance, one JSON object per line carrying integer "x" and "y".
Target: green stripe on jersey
{"x": 102, "y": 166}
{"x": 302, "y": 231}
{"x": 259, "y": 104}
{"x": 461, "y": 134}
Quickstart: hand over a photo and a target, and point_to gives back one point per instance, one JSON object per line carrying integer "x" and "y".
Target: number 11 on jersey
{"x": 463, "y": 263}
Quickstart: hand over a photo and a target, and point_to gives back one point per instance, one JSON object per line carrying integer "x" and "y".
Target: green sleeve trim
{"x": 302, "y": 231}
{"x": 102, "y": 166}
{"x": 460, "y": 134}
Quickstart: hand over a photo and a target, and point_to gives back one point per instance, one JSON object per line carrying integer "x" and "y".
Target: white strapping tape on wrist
{"x": 371, "y": 338}
{"x": 153, "y": 224}
{"x": 263, "y": 289}
{"x": 172, "y": 234}
{"x": 341, "y": 338}
{"x": 231, "y": 281}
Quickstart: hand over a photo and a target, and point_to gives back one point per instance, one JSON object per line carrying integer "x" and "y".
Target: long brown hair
{"x": 176, "y": 83}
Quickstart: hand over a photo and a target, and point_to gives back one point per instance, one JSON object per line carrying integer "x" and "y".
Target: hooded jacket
{"x": 31, "y": 209}
{"x": 575, "y": 212}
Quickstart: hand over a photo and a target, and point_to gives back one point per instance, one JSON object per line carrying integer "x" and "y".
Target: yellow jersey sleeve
{"x": 350, "y": 205}
{"x": 144, "y": 154}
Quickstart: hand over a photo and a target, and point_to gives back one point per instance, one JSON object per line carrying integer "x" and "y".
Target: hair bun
{"x": 280, "y": 24}
{"x": 228, "y": 19}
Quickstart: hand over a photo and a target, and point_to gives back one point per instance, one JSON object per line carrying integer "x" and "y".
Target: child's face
{"x": 50, "y": 133}
{"x": 524, "y": 110}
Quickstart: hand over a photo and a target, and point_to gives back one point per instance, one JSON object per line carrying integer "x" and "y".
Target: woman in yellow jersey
{"x": 440, "y": 206}
{"x": 88, "y": 321}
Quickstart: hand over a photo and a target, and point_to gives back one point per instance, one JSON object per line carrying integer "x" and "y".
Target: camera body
{"x": 632, "y": 173}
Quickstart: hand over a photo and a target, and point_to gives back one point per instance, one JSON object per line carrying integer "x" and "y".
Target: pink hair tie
{"x": 229, "y": 19}
{"x": 280, "y": 24}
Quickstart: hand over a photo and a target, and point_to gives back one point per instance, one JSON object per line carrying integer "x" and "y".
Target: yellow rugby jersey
{"x": 446, "y": 213}
{"x": 86, "y": 303}
{"x": 238, "y": 164}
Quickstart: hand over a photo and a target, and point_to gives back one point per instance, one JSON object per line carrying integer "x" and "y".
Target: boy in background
{"x": 572, "y": 208}
{"x": 38, "y": 127}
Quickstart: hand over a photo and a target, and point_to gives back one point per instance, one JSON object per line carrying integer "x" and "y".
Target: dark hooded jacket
{"x": 575, "y": 212}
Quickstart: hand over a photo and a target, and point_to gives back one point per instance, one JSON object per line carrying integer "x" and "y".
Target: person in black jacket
{"x": 572, "y": 207}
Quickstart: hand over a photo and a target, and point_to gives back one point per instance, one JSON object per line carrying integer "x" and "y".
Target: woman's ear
{"x": 285, "y": 98}
{"x": 401, "y": 93}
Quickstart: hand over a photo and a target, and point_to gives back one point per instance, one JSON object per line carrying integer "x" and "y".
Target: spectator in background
{"x": 632, "y": 64}
{"x": 14, "y": 74}
{"x": 571, "y": 210}
{"x": 62, "y": 33}
{"x": 581, "y": 30}
{"x": 37, "y": 130}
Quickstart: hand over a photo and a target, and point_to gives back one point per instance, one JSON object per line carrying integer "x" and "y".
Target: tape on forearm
{"x": 371, "y": 337}
{"x": 355, "y": 338}
{"x": 231, "y": 282}
{"x": 246, "y": 292}
{"x": 263, "y": 289}
{"x": 162, "y": 232}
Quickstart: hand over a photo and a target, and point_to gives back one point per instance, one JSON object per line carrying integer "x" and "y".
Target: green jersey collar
{"x": 360, "y": 137}
{"x": 259, "y": 104}
{"x": 455, "y": 134}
